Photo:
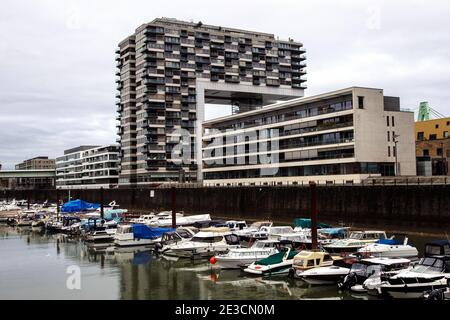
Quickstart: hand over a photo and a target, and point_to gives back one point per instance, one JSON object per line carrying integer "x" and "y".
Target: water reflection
{"x": 33, "y": 265}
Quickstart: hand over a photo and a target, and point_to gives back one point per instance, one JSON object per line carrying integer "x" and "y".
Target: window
{"x": 394, "y": 149}
{"x": 388, "y": 136}
{"x": 420, "y": 136}
{"x": 361, "y": 102}
{"x": 387, "y": 121}
{"x": 426, "y": 152}
{"x": 445, "y": 134}
{"x": 433, "y": 136}
{"x": 389, "y": 151}
{"x": 436, "y": 126}
{"x": 440, "y": 152}
{"x": 393, "y": 121}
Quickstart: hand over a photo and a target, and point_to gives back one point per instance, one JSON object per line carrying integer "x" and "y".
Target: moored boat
{"x": 276, "y": 264}
{"x": 243, "y": 257}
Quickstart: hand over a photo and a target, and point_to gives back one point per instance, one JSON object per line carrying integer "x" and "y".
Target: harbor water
{"x": 36, "y": 265}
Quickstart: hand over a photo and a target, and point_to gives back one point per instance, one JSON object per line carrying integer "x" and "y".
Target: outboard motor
{"x": 349, "y": 281}
{"x": 436, "y": 294}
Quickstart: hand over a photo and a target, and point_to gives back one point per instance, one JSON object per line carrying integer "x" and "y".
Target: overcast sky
{"x": 57, "y": 58}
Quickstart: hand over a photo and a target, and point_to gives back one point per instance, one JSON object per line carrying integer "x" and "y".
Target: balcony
{"x": 154, "y": 30}
{"x": 299, "y": 86}
{"x": 155, "y": 46}
{"x": 155, "y": 81}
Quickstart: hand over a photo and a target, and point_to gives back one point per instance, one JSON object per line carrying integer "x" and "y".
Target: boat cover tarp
{"x": 391, "y": 242}
{"x": 276, "y": 258}
{"x": 306, "y": 224}
{"x": 79, "y": 206}
{"x": 142, "y": 231}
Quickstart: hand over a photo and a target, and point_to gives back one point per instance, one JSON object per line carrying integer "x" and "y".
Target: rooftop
{"x": 164, "y": 21}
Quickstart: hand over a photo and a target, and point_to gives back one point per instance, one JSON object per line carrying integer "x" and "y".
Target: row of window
{"x": 385, "y": 169}
{"x": 433, "y": 136}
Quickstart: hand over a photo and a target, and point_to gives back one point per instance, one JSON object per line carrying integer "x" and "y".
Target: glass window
{"x": 361, "y": 102}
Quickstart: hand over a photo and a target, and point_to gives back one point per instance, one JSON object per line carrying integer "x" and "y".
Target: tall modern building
{"x": 168, "y": 70}
{"x": 344, "y": 136}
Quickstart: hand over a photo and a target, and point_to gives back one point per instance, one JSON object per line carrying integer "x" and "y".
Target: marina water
{"x": 37, "y": 265}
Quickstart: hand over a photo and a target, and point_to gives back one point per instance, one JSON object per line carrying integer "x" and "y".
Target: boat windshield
{"x": 124, "y": 229}
{"x": 358, "y": 268}
{"x": 184, "y": 234}
{"x": 429, "y": 265}
{"x": 356, "y": 235}
{"x": 207, "y": 239}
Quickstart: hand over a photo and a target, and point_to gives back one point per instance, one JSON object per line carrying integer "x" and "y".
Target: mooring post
{"x": 174, "y": 209}
{"x": 57, "y": 202}
{"x": 102, "y": 212}
{"x": 28, "y": 199}
{"x": 313, "y": 190}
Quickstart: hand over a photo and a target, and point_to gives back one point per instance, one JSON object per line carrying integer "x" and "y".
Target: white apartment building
{"x": 345, "y": 136}
{"x": 88, "y": 167}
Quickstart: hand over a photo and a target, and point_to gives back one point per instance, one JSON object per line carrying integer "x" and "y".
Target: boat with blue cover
{"x": 276, "y": 264}
{"x": 390, "y": 248}
{"x": 138, "y": 235}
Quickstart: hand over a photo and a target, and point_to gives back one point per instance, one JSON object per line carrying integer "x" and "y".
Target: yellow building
{"x": 432, "y": 129}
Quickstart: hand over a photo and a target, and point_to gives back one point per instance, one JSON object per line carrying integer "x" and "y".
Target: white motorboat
{"x": 100, "y": 234}
{"x": 276, "y": 264}
{"x": 206, "y": 243}
{"x": 276, "y": 232}
{"x": 364, "y": 269}
{"x": 253, "y": 232}
{"x": 243, "y": 257}
{"x": 356, "y": 241}
{"x": 389, "y": 267}
{"x": 165, "y": 220}
{"x": 170, "y": 239}
{"x": 324, "y": 275}
{"x": 144, "y": 219}
{"x": 309, "y": 259}
{"x": 430, "y": 273}
{"x": 390, "y": 248}
{"x": 125, "y": 236}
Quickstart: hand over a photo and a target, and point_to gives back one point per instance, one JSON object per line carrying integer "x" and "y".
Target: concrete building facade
{"x": 168, "y": 70}
{"x": 88, "y": 167}
{"x": 343, "y": 136}
{"x": 37, "y": 163}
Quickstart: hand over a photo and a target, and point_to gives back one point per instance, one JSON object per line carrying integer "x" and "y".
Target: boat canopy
{"x": 437, "y": 247}
{"x": 276, "y": 258}
{"x": 306, "y": 224}
{"x": 391, "y": 242}
{"x": 334, "y": 231}
{"x": 142, "y": 231}
{"x": 79, "y": 206}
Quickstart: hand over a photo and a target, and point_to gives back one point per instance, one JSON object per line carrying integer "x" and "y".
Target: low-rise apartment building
{"x": 343, "y": 136}
{"x": 88, "y": 167}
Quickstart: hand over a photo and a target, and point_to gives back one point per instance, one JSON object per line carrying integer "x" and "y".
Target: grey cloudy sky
{"x": 57, "y": 68}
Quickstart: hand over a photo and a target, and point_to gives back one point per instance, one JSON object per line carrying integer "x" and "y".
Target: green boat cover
{"x": 276, "y": 258}
{"x": 306, "y": 224}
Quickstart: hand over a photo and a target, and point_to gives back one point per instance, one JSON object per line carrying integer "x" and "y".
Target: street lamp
{"x": 397, "y": 171}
